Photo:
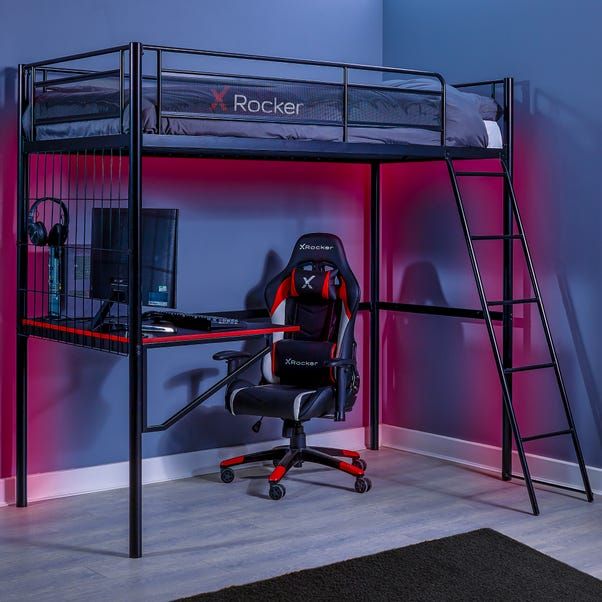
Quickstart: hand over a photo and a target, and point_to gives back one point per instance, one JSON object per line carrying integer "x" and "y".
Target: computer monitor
{"x": 109, "y": 257}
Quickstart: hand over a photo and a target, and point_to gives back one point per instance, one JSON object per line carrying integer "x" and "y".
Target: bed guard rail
{"x": 107, "y": 70}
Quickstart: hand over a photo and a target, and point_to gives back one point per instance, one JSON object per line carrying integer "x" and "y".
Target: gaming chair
{"x": 307, "y": 374}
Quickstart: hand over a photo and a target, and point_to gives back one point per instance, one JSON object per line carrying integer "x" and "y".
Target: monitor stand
{"x": 118, "y": 294}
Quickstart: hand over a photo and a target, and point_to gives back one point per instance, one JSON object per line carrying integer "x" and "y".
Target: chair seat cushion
{"x": 279, "y": 401}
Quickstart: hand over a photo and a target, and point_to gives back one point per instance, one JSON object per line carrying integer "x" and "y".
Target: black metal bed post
{"x": 374, "y": 304}
{"x": 508, "y": 274}
{"x": 159, "y": 91}
{"x": 22, "y": 338}
{"x": 136, "y": 390}
{"x": 345, "y": 104}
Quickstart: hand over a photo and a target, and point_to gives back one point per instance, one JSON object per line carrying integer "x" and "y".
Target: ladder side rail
{"x": 548, "y": 337}
{"x": 498, "y": 359}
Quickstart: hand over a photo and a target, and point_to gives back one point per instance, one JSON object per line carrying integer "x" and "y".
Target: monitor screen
{"x": 109, "y": 257}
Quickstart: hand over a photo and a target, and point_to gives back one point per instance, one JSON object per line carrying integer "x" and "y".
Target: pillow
{"x": 487, "y": 107}
{"x": 301, "y": 363}
{"x": 313, "y": 283}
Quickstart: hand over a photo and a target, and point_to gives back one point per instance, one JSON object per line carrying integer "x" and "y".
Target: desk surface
{"x": 187, "y": 336}
{"x": 70, "y": 332}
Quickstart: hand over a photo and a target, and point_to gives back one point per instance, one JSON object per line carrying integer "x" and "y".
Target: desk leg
{"x": 137, "y": 373}
{"x": 374, "y": 305}
{"x": 21, "y": 419}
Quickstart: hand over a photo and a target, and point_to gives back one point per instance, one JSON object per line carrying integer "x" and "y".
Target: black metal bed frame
{"x": 132, "y": 143}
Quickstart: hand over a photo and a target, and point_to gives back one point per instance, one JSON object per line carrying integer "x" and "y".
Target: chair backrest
{"x": 318, "y": 291}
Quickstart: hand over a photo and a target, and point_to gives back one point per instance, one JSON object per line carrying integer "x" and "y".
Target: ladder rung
{"x": 528, "y": 367}
{"x": 551, "y": 484}
{"x": 546, "y": 435}
{"x": 513, "y": 301}
{"x": 497, "y": 237}
{"x": 487, "y": 174}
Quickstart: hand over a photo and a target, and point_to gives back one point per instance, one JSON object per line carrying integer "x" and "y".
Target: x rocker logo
{"x": 243, "y": 104}
{"x": 219, "y": 98}
{"x": 304, "y": 246}
{"x": 307, "y": 281}
{"x": 289, "y": 361}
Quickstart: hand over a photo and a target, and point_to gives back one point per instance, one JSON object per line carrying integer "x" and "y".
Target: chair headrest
{"x": 319, "y": 247}
{"x": 316, "y": 248}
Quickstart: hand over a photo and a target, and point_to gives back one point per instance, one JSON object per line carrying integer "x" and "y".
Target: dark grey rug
{"x": 480, "y": 565}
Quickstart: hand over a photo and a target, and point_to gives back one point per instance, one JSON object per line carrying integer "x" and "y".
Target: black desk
{"x": 77, "y": 332}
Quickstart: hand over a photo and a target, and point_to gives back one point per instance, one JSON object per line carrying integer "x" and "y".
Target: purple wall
{"x": 438, "y": 376}
{"x": 445, "y": 381}
{"x": 234, "y": 216}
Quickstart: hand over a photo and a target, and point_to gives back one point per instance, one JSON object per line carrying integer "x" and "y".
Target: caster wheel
{"x": 227, "y": 475}
{"x": 360, "y": 463}
{"x": 363, "y": 484}
{"x": 277, "y": 491}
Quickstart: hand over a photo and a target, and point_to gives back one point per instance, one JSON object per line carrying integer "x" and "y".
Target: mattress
{"x": 402, "y": 112}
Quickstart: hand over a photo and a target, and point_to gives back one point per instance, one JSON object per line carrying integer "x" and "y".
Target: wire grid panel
{"x": 77, "y": 248}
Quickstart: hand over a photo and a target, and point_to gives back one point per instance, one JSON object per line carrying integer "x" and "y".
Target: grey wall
{"x": 234, "y": 216}
{"x": 553, "y": 49}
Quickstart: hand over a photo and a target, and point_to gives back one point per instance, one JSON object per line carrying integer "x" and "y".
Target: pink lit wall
{"x": 446, "y": 382}
{"x": 438, "y": 372}
{"x": 238, "y": 221}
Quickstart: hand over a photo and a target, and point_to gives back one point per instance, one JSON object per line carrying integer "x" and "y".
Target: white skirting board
{"x": 164, "y": 468}
{"x": 485, "y": 457}
{"x": 178, "y": 466}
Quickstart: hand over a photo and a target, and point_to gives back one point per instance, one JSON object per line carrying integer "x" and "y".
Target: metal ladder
{"x": 505, "y": 372}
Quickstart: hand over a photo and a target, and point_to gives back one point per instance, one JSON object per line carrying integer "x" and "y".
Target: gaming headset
{"x": 37, "y": 232}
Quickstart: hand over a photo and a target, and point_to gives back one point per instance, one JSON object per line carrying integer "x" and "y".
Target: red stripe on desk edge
{"x": 223, "y": 334}
{"x": 80, "y": 331}
{"x": 168, "y": 339}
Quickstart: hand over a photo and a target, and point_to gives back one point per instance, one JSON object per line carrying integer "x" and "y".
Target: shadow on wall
{"x": 8, "y": 170}
{"x": 197, "y": 430}
{"x": 421, "y": 284}
{"x": 557, "y": 175}
{"x": 576, "y": 196}
{"x": 423, "y": 357}
{"x": 585, "y": 365}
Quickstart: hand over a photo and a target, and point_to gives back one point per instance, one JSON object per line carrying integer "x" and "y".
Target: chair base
{"x": 285, "y": 457}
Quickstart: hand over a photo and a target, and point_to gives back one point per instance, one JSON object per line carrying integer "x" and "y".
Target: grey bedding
{"x": 246, "y": 108}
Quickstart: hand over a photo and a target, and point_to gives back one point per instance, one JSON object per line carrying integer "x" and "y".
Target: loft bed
{"x": 87, "y": 120}
{"x": 333, "y": 110}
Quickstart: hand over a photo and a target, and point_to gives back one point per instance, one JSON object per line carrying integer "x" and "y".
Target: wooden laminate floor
{"x": 201, "y": 534}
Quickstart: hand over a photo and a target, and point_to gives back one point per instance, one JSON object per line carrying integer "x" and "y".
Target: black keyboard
{"x": 193, "y": 321}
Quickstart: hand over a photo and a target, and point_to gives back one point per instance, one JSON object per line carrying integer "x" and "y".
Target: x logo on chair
{"x": 306, "y": 282}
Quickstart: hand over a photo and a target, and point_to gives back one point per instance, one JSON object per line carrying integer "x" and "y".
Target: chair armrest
{"x": 230, "y": 355}
{"x": 339, "y": 363}
{"x": 233, "y": 358}
{"x": 341, "y": 366}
